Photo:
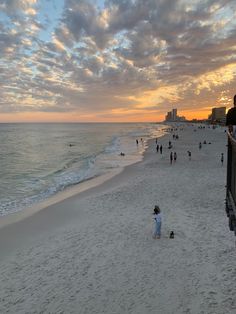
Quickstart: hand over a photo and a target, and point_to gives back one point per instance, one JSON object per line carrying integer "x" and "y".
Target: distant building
{"x": 169, "y": 116}
{"x": 218, "y": 115}
{"x": 182, "y": 118}
{"x": 209, "y": 117}
{"x": 172, "y": 116}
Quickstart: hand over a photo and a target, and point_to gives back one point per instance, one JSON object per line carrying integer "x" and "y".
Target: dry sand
{"x": 94, "y": 252}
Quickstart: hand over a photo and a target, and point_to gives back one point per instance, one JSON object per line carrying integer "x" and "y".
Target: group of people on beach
{"x": 137, "y": 141}
{"x": 230, "y": 122}
{"x": 157, "y": 216}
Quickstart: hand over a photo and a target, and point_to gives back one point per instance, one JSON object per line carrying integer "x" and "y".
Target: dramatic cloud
{"x": 116, "y": 59}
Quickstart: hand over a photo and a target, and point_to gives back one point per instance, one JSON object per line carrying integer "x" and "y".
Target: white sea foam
{"x": 40, "y": 160}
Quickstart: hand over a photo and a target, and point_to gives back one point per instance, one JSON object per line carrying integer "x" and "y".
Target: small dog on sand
{"x": 172, "y": 235}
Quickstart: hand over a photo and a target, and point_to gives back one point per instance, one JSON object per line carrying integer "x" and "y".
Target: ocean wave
{"x": 64, "y": 166}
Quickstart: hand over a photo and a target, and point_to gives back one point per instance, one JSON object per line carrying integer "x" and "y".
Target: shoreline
{"x": 69, "y": 192}
{"x": 58, "y": 197}
{"x": 29, "y": 179}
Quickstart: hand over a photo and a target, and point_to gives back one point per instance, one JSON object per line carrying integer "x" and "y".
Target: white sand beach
{"x": 94, "y": 252}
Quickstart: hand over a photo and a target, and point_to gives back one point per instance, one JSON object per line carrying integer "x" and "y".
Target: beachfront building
{"x": 172, "y": 116}
{"x": 218, "y": 115}
{"x": 168, "y": 116}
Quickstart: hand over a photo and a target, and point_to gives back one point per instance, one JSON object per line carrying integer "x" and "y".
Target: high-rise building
{"x": 218, "y": 115}
{"x": 169, "y": 116}
{"x": 174, "y": 114}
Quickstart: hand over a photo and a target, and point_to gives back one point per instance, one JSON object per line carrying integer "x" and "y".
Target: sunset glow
{"x": 115, "y": 61}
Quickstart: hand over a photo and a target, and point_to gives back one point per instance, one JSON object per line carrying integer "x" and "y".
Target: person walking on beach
{"x": 175, "y": 156}
{"x": 158, "y": 220}
{"x": 157, "y": 148}
{"x": 161, "y": 149}
{"x": 222, "y": 159}
{"x": 171, "y": 157}
{"x": 189, "y": 155}
{"x": 200, "y": 145}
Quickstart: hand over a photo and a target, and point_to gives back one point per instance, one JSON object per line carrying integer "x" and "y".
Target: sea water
{"x": 40, "y": 160}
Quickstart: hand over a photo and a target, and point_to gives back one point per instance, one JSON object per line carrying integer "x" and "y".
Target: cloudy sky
{"x": 115, "y": 60}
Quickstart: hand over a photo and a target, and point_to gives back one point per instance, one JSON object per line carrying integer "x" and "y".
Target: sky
{"x": 115, "y": 60}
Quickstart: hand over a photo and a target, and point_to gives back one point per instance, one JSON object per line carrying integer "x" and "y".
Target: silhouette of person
{"x": 175, "y": 156}
{"x": 189, "y": 155}
{"x": 231, "y": 117}
{"x": 171, "y": 157}
{"x": 222, "y": 159}
{"x": 157, "y": 148}
{"x": 161, "y": 149}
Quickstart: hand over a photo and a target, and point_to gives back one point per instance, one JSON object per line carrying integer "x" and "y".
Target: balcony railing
{"x": 231, "y": 183}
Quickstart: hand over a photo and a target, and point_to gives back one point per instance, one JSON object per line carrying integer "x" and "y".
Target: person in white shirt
{"x": 158, "y": 219}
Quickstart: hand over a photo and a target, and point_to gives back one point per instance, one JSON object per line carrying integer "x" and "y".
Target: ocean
{"x": 40, "y": 160}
